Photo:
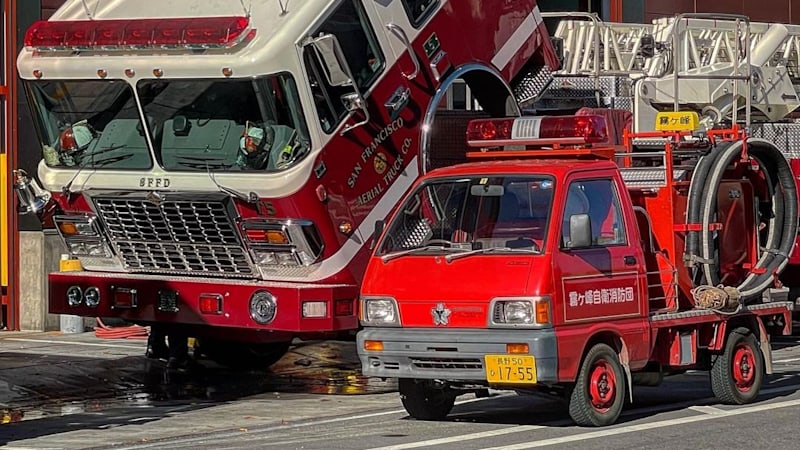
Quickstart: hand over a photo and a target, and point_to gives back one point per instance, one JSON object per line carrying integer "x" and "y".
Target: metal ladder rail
{"x": 712, "y": 41}
{"x": 596, "y": 48}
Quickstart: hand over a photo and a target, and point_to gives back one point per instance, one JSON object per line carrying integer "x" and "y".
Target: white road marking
{"x": 705, "y": 409}
{"x": 780, "y": 361}
{"x": 648, "y": 426}
{"x": 462, "y": 437}
{"x": 87, "y": 344}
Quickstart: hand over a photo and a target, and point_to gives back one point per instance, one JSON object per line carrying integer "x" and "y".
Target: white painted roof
{"x": 274, "y": 44}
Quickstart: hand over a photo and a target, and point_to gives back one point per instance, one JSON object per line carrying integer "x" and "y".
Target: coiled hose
{"x": 782, "y": 227}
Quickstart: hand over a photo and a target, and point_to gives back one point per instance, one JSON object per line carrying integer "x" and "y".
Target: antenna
{"x": 247, "y": 9}
{"x": 284, "y": 6}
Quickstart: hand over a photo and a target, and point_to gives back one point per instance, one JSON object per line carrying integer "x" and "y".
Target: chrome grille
{"x": 182, "y": 235}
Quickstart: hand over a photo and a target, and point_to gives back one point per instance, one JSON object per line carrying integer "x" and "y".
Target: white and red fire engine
{"x": 219, "y": 165}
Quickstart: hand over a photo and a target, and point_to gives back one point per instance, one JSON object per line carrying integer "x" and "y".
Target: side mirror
{"x": 353, "y": 102}
{"x": 337, "y": 72}
{"x": 32, "y": 197}
{"x": 379, "y": 226}
{"x": 580, "y": 231}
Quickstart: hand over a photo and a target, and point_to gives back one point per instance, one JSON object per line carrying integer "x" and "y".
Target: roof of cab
{"x": 273, "y": 44}
{"x": 558, "y": 167}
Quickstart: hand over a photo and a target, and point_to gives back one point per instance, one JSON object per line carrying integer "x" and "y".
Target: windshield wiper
{"x": 483, "y": 251}
{"x": 411, "y": 251}
{"x": 67, "y": 188}
{"x": 251, "y": 197}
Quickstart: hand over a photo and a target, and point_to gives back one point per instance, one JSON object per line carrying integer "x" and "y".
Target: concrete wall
{"x": 40, "y": 254}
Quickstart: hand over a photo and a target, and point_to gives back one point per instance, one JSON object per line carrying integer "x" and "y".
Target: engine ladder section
{"x": 695, "y": 59}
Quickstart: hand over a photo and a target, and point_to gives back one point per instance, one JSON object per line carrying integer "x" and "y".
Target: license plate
{"x": 510, "y": 369}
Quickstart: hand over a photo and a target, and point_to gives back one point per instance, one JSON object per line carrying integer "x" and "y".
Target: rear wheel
{"x": 600, "y": 389}
{"x": 423, "y": 401}
{"x": 241, "y": 355}
{"x": 737, "y": 374}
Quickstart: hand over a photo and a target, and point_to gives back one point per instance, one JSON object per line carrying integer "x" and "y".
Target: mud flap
{"x": 629, "y": 379}
{"x": 766, "y": 348}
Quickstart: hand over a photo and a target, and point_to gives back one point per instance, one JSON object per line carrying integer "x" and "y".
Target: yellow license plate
{"x": 510, "y": 369}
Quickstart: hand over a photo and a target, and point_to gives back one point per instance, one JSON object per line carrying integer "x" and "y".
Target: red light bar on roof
{"x": 127, "y": 34}
{"x": 537, "y": 131}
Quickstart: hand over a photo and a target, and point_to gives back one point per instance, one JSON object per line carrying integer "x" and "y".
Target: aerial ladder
{"x": 726, "y": 68}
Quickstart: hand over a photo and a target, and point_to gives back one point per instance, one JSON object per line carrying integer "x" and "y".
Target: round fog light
{"x": 74, "y": 296}
{"x": 92, "y": 297}
{"x": 263, "y": 307}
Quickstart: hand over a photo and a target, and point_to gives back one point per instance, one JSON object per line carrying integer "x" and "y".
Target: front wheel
{"x": 423, "y": 401}
{"x": 600, "y": 389}
{"x": 737, "y": 374}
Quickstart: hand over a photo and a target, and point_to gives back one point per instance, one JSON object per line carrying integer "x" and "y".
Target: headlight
{"x": 74, "y": 296}
{"x": 282, "y": 242}
{"x": 518, "y": 312}
{"x": 88, "y": 248}
{"x": 82, "y": 236}
{"x": 380, "y": 312}
{"x": 522, "y": 312}
{"x": 92, "y": 297}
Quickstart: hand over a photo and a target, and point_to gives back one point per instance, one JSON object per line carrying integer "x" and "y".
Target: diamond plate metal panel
{"x": 785, "y": 136}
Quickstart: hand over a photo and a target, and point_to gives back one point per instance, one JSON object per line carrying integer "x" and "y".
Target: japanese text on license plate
{"x": 511, "y": 369}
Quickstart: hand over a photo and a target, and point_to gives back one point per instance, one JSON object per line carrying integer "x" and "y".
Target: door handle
{"x": 398, "y": 101}
{"x": 630, "y": 260}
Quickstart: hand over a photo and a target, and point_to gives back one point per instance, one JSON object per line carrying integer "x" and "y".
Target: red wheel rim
{"x": 602, "y": 385}
{"x": 744, "y": 367}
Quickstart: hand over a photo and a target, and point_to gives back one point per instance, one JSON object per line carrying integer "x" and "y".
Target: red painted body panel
{"x": 466, "y": 285}
{"x": 235, "y": 308}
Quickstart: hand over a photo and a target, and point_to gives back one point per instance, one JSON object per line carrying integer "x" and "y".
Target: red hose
{"x": 104, "y": 331}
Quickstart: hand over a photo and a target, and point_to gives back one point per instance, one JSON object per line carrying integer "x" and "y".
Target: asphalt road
{"x": 76, "y": 391}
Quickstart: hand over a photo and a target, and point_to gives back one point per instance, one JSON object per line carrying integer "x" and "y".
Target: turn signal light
{"x": 267, "y": 236}
{"x": 542, "y": 312}
{"x": 68, "y": 228}
{"x": 373, "y": 346}
{"x": 517, "y": 348}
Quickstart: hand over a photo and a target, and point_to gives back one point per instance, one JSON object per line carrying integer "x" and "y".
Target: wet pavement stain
{"x": 34, "y": 386}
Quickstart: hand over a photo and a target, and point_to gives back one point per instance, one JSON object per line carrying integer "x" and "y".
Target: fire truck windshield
{"x": 496, "y": 215}
{"x": 88, "y": 124}
{"x": 195, "y": 125}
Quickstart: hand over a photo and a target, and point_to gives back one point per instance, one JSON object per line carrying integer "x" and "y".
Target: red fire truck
{"x": 219, "y": 166}
{"x": 560, "y": 263}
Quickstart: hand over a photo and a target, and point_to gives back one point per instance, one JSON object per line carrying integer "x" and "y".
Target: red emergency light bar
{"x": 544, "y": 130}
{"x": 126, "y": 34}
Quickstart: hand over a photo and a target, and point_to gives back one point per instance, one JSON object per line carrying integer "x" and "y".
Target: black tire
{"x": 600, "y": 389}
{"x": 737, "y": 374}
{"x": 239, "y": 355}
{"x": 423, "y": 401}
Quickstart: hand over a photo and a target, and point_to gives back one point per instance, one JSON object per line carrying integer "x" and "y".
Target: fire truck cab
{"x": 217, "y": 166}
{"x": 542, "y": 266}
